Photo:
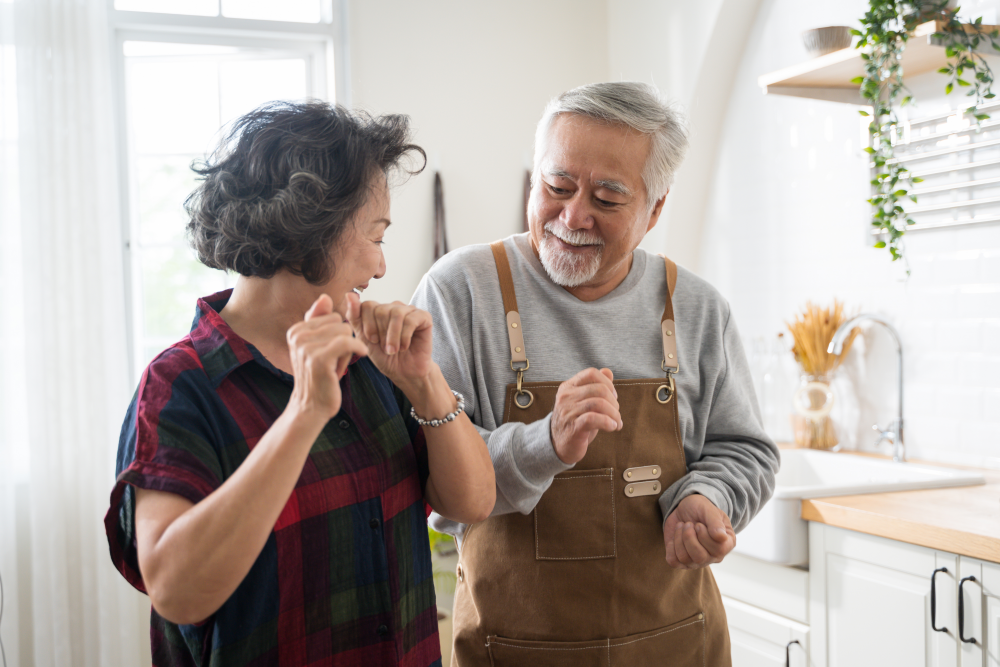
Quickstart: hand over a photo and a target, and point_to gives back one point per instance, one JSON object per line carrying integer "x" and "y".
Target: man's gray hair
{"x": 635, "y": 105}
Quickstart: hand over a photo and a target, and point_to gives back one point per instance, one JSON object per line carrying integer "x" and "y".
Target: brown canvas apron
{"x": 583, "y": 580}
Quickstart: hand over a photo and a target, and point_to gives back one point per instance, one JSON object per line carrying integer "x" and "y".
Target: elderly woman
{"x": 274, "y": 465}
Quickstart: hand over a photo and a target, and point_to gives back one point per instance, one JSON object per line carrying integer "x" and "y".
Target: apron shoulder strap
{"x": 667, "y": 329}
{"x": 515, "y": 332}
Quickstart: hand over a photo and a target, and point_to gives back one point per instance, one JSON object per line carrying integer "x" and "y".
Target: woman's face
{"x": 358, "y": 255}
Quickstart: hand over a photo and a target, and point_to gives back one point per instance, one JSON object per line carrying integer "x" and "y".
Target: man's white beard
{"x": 567, "y": 268}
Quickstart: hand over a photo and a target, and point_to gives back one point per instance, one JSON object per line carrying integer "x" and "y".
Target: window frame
{"x": 329, "y": 72}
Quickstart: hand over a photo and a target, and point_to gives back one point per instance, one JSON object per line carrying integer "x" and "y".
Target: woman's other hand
{"x": 321, "y": 347}
{"x": 398, "y": 337}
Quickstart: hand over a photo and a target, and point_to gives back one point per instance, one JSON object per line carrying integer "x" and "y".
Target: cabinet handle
{"x": 961, "y": 612}
{"x": 934, "y": 603}
{"x": 788, "y": 649}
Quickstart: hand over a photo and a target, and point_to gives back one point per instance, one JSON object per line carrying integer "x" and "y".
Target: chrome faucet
{"x": 894, "y": 433}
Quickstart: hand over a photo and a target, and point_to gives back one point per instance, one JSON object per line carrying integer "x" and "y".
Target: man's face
{"x": 587, "y": 211}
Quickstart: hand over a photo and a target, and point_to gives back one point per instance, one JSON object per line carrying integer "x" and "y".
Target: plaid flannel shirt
{"x": 345, "y": 576}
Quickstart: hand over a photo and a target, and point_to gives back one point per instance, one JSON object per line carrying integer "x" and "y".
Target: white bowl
{"x": 821, "y": 41}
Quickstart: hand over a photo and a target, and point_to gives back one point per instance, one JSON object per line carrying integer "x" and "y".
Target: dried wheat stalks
{"x": 812, "y": 332}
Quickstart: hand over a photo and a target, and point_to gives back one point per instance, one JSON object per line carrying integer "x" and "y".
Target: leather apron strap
{"x": 515, "y": 329}
{"x": 515, "y": 333}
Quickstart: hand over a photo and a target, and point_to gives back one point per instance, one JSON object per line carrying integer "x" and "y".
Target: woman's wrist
{"x": 305, "y": 416}
{"x": 430, "y": 396}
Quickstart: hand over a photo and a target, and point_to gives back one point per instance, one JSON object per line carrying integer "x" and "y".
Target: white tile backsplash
{"x": 991, "y": 406}
{"x": 778, "y": 234}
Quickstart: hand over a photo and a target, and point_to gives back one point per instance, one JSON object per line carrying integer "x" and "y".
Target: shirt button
{"x": 374, "y": 523}
{"x": 382, "y": 630}
{"x": 344, "y": 424}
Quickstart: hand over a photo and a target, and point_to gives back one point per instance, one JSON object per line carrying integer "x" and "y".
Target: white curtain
{"x": 64, "y": 383}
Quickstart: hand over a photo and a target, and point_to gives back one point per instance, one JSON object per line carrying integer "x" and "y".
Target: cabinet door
{"x": 971, "y": 601}
{"x": 981, "y": 607}
{"x": 763, "y": 639}
{"x": 877, "y": 602}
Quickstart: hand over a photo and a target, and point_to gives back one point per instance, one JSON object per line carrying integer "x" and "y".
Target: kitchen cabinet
{"x": 865, "y": 601}
{"x": 872, "y": 602}
{"x": 979, "y": 642}
{"x": 767, "y": 610}
{"x": 762, "y": 639}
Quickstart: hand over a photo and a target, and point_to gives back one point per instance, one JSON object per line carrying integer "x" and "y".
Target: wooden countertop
{"x": 962, "y": 520}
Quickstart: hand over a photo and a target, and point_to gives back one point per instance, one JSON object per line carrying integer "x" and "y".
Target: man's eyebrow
{"x": 558, "y": 173}
{"x": 387, "y": 221}
{"x": 615, "y": 186}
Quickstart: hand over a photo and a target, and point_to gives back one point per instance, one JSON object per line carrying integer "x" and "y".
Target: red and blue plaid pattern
{"x": 345, "y": 577}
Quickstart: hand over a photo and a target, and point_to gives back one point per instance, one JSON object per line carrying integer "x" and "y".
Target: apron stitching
{"x": 548, "y": 648}
{"x": 633, "y": 382}
{"x": 492, "y": 664}
{"x": 663, "y": 632}
{"x": 590, "y": 648}
{"x": 614, "y": 522}
{"x": 703, "y": 644}
{"x": 609, "y": 652}
{"x": 614, "y": 518}
{"x": 573, "y": 477}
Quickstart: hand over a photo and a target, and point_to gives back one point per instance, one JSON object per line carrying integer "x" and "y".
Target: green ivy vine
{"x": 886, "y": 27}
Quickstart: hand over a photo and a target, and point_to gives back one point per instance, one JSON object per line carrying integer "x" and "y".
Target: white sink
{"x": 778, "y": 533}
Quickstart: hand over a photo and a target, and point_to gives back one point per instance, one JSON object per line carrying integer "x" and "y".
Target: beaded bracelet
{"x": 447, "y": 418}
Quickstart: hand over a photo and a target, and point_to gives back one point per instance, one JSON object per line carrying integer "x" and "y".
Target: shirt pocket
{"x": 681, "y": 644}
{"x": 575, "y": 518}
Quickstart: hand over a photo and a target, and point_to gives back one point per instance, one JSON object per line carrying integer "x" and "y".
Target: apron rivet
{"x": 517, "y": 349}
{"x": 629, "y": 474}
{"x": 630, "y": 489}
{"x": 669, "y": 333}
{"x": 514, "y": 324}
{"x": 655, "y": 487}
{"x": 670, "y": 356}
{"x": 654, "y": 471}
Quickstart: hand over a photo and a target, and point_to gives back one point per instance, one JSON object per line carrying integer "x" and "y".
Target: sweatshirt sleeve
{"x": 738, "y": 461}
{"x": 524, "y": 460}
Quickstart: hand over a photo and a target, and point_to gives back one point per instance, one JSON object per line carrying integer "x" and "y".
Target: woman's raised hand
{"x": 398, "y": 337}
{"x": 321, "y": 347}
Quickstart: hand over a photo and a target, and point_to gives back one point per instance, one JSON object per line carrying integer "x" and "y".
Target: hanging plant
{"x": 886, "y": 26}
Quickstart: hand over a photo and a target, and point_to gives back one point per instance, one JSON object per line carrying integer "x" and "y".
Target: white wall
{"x": 787, "y": 222}
{"x": 474, "y": 77}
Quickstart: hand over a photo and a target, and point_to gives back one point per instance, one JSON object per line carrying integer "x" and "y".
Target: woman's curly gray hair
{"x": 286, "y": 183}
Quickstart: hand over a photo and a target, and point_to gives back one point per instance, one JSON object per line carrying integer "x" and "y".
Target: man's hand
{"x": 585, "y": 404}
{"x": 697, "y": 534}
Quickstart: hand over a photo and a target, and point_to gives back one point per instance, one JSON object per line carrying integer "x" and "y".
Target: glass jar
{"x": 813, "y": 402}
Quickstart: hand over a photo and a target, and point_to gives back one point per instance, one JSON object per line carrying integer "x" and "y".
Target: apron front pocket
{"x": 681, "y": 644}
{"x": 575, "y": 518}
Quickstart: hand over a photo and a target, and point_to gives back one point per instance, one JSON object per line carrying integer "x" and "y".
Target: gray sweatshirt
{"x": 731, "y": 460}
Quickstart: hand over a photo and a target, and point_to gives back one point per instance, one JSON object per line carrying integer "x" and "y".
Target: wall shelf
{"x": 829, "y": 77}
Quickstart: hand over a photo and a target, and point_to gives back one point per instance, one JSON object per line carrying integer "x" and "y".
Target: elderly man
{"x": 613, "y": 393}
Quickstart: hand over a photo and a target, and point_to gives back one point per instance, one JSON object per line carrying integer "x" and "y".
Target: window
{"x": 183, "y": 80}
